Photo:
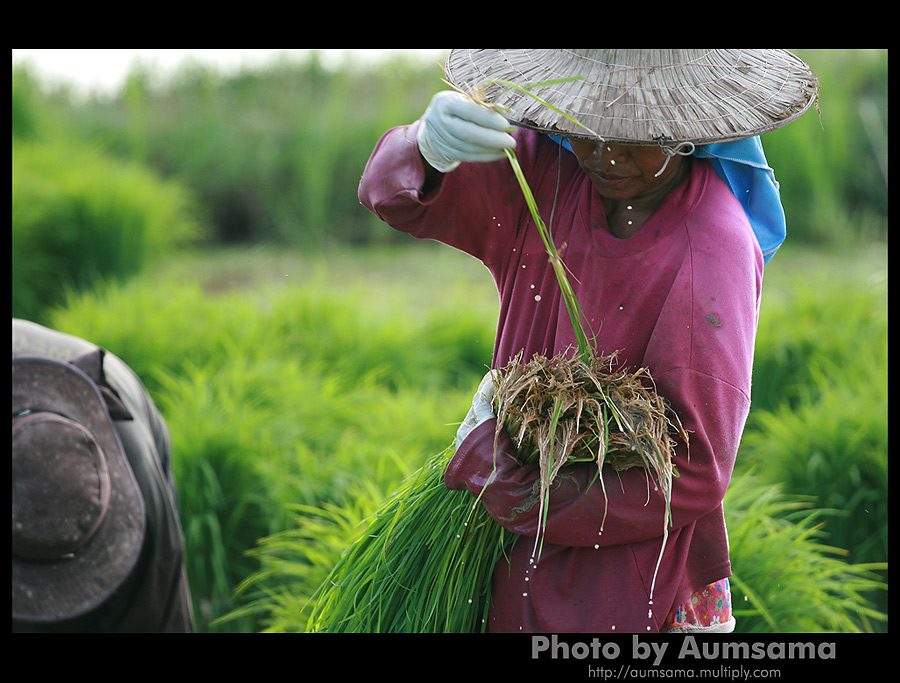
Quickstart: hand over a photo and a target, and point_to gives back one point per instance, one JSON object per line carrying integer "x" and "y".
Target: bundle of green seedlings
{"x": 425, "y": 559}
{"x": 423, "y": 564}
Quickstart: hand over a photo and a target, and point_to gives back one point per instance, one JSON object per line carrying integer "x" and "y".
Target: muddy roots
{"x": 560, "y": 410}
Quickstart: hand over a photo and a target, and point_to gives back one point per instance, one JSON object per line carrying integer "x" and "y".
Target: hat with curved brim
{"x": 78, "y": 515}
{"x": 642, "y": 96}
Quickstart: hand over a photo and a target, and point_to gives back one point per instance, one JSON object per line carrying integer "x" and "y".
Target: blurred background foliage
{"x": 276, "y": 154}
{"x": 206, "y": 229}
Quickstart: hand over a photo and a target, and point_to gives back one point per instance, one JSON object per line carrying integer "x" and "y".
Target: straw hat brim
{"x": 641, "y": 96}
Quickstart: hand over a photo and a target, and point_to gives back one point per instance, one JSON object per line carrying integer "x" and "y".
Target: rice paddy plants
{"x": 79, "y": 216}
{"x": 295, "y": 561}
{"x": 281, "y": 455}
{"x": 785, "y": 578}
{"x": 262, "y": 412}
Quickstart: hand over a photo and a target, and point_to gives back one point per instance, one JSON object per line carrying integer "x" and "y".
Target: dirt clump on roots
{"x": 566, "y": 409}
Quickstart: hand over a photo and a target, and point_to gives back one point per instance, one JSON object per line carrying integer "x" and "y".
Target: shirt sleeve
{"x": 475, "y": 208}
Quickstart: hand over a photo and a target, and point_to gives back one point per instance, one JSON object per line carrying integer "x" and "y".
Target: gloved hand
{"x": 482, "y": 407}
{"x": 455, "y": 129}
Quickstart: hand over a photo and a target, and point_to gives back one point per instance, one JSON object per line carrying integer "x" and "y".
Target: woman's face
{"x": 628, "y": 171}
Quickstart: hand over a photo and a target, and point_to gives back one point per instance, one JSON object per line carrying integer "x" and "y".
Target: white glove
{"x": 455, "y": 128}
{"x": 482, "y": 407}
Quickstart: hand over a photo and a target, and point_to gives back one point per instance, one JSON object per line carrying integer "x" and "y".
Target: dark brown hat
{"x": 642, "y": 96}
{"x": 78, "y": 515}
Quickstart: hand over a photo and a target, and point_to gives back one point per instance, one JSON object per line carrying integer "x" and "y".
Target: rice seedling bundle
{"x": 422, "y": 564}
{"x": 425, "y": 561}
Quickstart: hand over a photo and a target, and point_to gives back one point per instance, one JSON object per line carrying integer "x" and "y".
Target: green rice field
{"x": 300, "y": 390}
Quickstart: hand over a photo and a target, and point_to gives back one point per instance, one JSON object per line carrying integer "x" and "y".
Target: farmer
{"x": 665, "y": 211}
{"x": 97, "y": 543}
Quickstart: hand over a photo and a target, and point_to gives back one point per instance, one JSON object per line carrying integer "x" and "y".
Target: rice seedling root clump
{"x": 590, "y": 410}
{"x": 576, "y": 408}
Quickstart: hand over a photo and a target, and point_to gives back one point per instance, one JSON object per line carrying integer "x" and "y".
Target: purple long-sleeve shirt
{"x": 680, "y": 297}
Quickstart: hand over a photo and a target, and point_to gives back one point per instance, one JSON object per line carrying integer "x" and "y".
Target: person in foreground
{"x": 97, "y": 544}
{"x": 665, "y": 211}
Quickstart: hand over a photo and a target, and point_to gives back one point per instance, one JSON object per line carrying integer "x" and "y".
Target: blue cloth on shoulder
{"x": 742, "y": 165}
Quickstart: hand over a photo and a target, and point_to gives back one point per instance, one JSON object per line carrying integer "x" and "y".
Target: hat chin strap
{"x": 684, "y": 149}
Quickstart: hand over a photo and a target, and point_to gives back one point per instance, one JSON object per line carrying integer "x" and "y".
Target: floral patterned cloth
{"x": 709, "y": 609}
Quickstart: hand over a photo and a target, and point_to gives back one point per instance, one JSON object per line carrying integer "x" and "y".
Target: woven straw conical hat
{"x": 643, "y": 96}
